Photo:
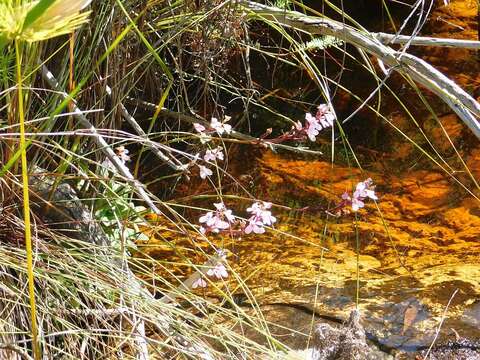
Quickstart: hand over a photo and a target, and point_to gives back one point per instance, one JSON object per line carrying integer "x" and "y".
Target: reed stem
{"x": 26, "y": 205}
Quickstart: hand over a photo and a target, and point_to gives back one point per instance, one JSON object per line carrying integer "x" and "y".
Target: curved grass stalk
{"x": 26, "y": 205}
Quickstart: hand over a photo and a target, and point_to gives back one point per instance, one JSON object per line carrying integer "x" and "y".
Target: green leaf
{"x": 37, "y": 11}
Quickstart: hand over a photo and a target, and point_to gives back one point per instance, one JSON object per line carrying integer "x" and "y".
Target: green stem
{"x": 26, "y": 206}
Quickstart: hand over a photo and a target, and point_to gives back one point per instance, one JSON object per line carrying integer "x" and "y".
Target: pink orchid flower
{"x": 220, "y": 127}
{"x": 261, "y": 216}
{"x": 260, "y": 211}
{"x": 363, "y": 190}
{"x": 214, "y": 154}
{"x": 199, "y": 127}
{"x": 323, "y": 119}
{"x": 216, "y": 221}
{"x": 254, "y": 226}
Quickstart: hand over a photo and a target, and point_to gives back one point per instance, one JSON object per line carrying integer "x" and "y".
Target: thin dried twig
{"x": 16, "y": 349}
{"x": 437, "y": 332}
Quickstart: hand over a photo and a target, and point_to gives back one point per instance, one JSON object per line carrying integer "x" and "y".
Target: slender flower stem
{"x": 357, "y": 241}
{"x": 26, "y": 205}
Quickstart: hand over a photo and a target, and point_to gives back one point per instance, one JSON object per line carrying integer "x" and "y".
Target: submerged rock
{"x": 347, "y": 342}
{"x": 462, "y": 349}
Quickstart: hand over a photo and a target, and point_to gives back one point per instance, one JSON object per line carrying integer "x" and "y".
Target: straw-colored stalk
{"x": 30, "y": 22}
{"x": 26, "y": 203}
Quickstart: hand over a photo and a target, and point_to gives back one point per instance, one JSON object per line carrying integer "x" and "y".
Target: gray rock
{"x": 461, "y": 349}
{"x": 347, "y": 342}
{"x": 60, "y": 207}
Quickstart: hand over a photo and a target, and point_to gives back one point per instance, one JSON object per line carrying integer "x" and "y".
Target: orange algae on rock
{"x": 422, "y": 214}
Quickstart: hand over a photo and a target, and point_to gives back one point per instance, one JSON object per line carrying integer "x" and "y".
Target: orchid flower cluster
{"x": 217, "y": 271}
{"x": 215, "y": 126}
{"x": 218, "y": 220}
{"x": 261, "y": 215}
{"x": 323, "y": 119}
{"x": 363, "y": 190}
{"x": 222, "y": 219}
{"x": 210, "y": 155}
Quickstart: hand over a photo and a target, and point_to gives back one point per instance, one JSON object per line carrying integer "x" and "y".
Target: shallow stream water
{"x": 418, "y": 260}
{"x": 417, "y": 270}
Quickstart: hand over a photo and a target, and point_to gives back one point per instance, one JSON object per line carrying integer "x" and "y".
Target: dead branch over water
{"x": 463, "y": 104}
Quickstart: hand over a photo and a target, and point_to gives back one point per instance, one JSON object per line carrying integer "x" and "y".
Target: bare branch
{"x": 387, "y": 39}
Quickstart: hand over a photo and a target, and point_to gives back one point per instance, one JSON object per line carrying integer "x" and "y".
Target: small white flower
{"x": 199, "y": 127}
{"x": 212, "y": 155}
{"x": 219, "y": 127}
{"x": 199, "y": 283}
{"x": 204, "y": 171}
{"x": 219, "y": 272}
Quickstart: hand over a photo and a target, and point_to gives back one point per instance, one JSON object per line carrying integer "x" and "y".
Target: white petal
{"x": 199, "y": 127}
{"x": 219, "y": 206}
